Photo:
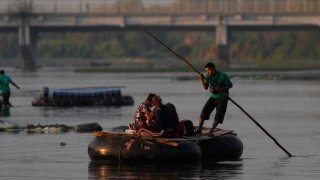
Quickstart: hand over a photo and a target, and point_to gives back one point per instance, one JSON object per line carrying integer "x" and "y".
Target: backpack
{"x": 188, "y": 128}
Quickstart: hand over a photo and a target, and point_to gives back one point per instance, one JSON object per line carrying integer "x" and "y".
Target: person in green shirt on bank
{"x": 5, "y": 81}
{"x": 218, "y": 84}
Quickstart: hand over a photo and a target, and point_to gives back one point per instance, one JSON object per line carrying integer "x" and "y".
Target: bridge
{"x": 29, "y": 17}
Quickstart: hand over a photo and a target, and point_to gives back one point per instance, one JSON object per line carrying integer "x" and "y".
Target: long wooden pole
{"x": 197, "y": 71}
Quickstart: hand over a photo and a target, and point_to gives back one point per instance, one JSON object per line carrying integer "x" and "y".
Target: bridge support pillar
{"x": 222, "y": 44}
{"x": 25, "y": 43}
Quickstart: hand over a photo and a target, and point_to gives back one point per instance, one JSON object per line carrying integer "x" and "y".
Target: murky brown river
{"x": 289, "y": 110}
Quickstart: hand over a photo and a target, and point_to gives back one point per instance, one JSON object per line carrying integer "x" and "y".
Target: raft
{"x": 8, "y": 127}
{"x": 86, "y": 96}
{"x": 224, "y": 146}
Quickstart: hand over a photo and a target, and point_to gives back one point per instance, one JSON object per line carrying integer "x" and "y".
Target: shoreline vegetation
{"x": 164, "y": 64}
{"x": 173, "y": 64}
{"x": 186, "y": 75}
{"x": 180, "y": 69}
{"x": 284, "y": 70}
{"x": 268, "y": 70}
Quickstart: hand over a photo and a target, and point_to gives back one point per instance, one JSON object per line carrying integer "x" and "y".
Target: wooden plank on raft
{"x": 218, "y": 131}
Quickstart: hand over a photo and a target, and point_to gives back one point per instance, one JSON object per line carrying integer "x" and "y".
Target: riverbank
{"x": 265, "y": 75}
{"x": 271, "y": 70}
{"x": 278, "y": 75}
{"x": 188, "y": 74}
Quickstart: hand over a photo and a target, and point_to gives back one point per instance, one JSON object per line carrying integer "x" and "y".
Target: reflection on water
{"x": 5, "y": 112}
{"x": 152, "y": 170}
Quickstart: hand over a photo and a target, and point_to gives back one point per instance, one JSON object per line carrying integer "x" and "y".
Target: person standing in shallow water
{"x": 218, "y": 84}
{"x": 5, "y": 82}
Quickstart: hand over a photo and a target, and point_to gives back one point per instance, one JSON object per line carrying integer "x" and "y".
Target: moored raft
{"x": 87, "y": 96}
{"x": 224, "y": 146}
{"x": 8, "y": 127}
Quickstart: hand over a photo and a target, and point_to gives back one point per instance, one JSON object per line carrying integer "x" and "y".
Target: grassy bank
{"x": 179, "y": 66}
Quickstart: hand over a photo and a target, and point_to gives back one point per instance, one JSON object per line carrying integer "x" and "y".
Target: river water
{"x": 289, "y": 110}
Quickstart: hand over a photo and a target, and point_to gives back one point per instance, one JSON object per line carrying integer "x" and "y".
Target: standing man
{"x": 5, "y": 88}
{"x": 219, "y": 85}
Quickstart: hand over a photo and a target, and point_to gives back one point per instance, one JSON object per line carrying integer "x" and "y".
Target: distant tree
{"x": 112, "y": 49}
{"x": 198, "y": 47}
{"x": 9, "y": 47}
{"x": 305, "y": 45}
{"x": 50, "y": 48}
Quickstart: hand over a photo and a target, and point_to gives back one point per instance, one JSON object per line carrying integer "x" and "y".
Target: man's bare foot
{"x": 199, "y": 131}
{"x": 211, "y": 133}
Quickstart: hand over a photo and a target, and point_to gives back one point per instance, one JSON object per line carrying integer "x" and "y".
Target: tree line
{"x": 196, "y": 46}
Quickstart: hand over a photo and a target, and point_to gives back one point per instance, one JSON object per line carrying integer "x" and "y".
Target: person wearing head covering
{"x": 165, "y": 117}
{"x": 218, "y": 83}
{"x": 5, "y": 82}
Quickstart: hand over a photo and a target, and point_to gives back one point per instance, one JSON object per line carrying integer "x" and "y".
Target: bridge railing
{"x": 159, "y": 7}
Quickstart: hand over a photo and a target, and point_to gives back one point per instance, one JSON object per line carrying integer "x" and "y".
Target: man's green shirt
{"x": 4, "y": 83}
{"x": 220, "y": 79}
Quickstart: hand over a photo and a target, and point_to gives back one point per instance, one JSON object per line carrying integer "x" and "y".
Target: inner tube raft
{"x": 227, "y": 147}
{"x": 86, "y": 96}
{"x": 115, "y": 146}
{"x": 125, "y": 147}
{"x": 6, "y": 126}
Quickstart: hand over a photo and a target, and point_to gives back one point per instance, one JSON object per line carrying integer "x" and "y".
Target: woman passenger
{"x": 163, "y": 119}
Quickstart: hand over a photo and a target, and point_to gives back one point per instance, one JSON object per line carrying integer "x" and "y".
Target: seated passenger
{"x": 173, "y": 117}
{"x": 162, "y": 118}
{"x": 142, "y": 115}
